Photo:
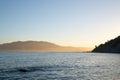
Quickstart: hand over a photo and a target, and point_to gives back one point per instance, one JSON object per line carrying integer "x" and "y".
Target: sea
{"x": 59, "y": 66}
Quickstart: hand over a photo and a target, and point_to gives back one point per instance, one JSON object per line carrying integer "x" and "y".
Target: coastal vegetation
{"x": 112, "y": 46}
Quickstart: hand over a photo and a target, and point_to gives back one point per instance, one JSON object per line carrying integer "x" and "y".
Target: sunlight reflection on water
{"x": 59, "y": 66}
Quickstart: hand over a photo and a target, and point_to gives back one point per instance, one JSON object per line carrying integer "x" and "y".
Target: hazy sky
{"x": 65, "y": 22}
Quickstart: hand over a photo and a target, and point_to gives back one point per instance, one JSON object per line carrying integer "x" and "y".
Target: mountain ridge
{"x": 38, "y": 46}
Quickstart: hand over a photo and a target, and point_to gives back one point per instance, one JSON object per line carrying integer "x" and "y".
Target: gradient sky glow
{"x": 66, "y": 22}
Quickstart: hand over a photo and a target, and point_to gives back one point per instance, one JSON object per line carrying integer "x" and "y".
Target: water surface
{"x": 59, "y": 66}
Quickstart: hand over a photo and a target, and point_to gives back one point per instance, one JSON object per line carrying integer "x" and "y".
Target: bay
{"x": 59, "y": 66}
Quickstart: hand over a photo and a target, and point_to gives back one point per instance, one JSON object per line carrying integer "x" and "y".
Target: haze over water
{"x": 59, "y": 66}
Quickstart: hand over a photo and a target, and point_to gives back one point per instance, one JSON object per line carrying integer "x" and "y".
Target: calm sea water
{"x": 59, "y": 66}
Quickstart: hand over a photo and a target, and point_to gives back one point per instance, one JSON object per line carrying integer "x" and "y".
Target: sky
{"x": 78, "y": 23}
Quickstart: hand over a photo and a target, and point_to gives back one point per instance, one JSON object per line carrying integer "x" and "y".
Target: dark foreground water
{"x": 59, "y": 66}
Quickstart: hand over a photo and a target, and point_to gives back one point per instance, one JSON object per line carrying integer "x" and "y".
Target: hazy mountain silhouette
{"x": 112, "y": 46}
{"x": 37, "y": 46}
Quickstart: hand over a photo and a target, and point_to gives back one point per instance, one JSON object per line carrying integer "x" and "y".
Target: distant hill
{"x": 112, "y": 46}
{"x": 37, "y": 46}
